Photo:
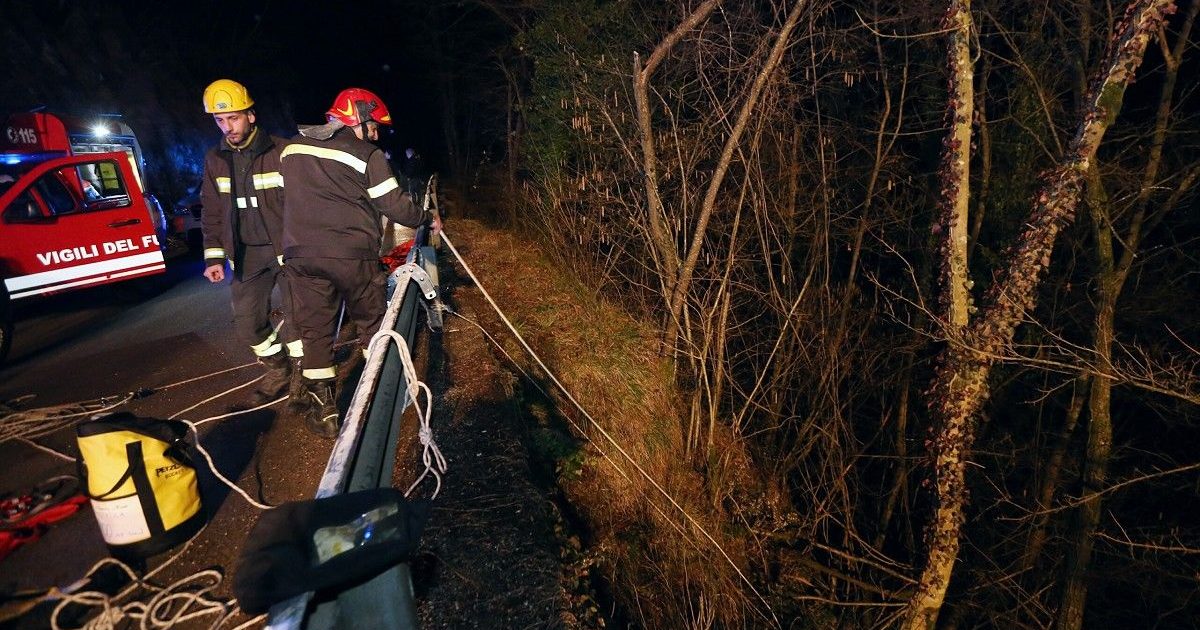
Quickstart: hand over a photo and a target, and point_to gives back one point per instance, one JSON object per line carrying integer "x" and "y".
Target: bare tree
{"x": 1111, "y": 275}
{"x": 961, "y": 384}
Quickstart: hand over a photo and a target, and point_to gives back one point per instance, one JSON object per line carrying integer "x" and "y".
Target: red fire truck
{"x": 73, "y": 213}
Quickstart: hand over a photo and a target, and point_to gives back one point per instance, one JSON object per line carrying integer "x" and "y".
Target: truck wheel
{"x": 6, "y": 323}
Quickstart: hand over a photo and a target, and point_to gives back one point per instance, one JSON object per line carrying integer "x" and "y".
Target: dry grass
{"x": 663, "y": 569}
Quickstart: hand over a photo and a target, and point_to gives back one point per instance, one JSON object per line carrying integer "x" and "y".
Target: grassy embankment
{"x": 661, "y": 566}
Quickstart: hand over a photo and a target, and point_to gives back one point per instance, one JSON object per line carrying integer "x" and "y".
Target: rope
{"x": 46, "y": 449}
{"x": 431, "y": 455}
{"x": 209, "y": 375}
{"x": 670, "y": 521}
{"x": 212, "y": 466}
{"x": 592, "y": 421}
{"x": 240, "y": 411}
{"x": 216, "y": 396}
{"x": 31, "y": 423}
{"x": 194, "y": 426}
{"x": 181, "y": 601}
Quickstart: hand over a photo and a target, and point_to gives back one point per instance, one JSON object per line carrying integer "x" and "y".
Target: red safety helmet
{"x": 354, "y": 106}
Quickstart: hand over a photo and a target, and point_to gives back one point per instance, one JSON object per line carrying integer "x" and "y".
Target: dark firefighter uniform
{"x": 242, "y": 196}
{"x": 336, "y": 190}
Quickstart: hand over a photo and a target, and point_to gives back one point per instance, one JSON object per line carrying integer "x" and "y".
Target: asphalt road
{"x": 94, "y": 342}
{"x": 494, "y": 548}
{"x": 112, "y": 340}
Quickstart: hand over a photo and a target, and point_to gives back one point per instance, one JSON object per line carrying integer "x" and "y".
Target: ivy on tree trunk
{"x": 961, "y": 383}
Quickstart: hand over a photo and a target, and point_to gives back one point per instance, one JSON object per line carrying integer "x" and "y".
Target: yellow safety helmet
{"x": 226, "y": 95}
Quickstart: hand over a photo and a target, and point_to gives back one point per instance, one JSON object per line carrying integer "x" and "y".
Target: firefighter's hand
{"x": 215, "y": 273}
{"x": 435, "y": 226}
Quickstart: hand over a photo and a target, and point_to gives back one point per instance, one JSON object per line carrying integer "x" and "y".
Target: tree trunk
{"x": 1099, "y": 446}
{"x": 955, "y": 191}
{"x": 666, "y": 257}
{"x": 1052, "y": 473}
{"x": 960, "y": 385}
{"x": 985, "y": 164}
{"x": 1110, "y": 276}
{"x": 515, "y": 81}
{"x": 681, "y": 285}
{"x": 956, "y": 165}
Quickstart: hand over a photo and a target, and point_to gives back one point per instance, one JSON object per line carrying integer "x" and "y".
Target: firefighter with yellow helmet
{"x": 339, "y": 183}
{"x": 242, "y": 223}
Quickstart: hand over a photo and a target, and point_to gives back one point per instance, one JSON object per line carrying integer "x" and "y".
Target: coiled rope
{"x": 26, "y": 424}
{"x": 181, "y": 601}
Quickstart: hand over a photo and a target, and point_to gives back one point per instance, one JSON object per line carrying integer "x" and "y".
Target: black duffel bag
{"x": 326, "y": 545}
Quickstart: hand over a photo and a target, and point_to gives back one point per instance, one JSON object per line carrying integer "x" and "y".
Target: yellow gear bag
{"x": 139, "y": 477}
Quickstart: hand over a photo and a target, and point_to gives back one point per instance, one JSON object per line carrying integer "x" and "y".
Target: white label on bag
{"x": 121, "y": 520}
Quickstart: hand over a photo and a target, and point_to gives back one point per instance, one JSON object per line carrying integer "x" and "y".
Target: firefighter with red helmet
{"x": 338, "y": 185}
{"x": 242, "y": 223}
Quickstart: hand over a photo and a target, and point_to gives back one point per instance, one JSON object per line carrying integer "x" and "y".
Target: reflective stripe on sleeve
{"x": 264, "y": 181}
{"x": 224, "y": 184}
{"x": 214, "y": 252}
{"x": 325, "y": 154}
{"x": 295, "y": 348}
{"x": 386, "y": 187}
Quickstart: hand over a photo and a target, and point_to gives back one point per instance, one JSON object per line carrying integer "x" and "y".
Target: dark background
{"x": 150, "y": 62}
{"x": 847, "y": 445}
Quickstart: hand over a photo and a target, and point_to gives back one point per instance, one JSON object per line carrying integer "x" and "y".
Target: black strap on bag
{"x": 141, "y": 482}
{"x": 120, "y": 482}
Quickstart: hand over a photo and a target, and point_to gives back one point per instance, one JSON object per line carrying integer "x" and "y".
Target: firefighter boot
{"x": 296, "y": 391}
{"x": 275, "y": 382}
{"x": 320, "y": 413}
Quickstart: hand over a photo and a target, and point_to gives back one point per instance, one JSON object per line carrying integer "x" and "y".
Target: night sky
{"x": 150, "y": 62}
{"x": 309, "y": 51}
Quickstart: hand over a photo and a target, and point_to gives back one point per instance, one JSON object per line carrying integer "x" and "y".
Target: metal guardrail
{"x": 364, "y": 456}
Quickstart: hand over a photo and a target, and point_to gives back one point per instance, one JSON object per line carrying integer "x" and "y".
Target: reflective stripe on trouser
{"x": 267, "y": 347}
{"x": 318, "y": 286}
{"x": 319, "y": 374}
{"x": 251, "y": 296}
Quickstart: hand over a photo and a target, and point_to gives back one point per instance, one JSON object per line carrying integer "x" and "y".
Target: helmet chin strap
{"x": 363, "y": 110}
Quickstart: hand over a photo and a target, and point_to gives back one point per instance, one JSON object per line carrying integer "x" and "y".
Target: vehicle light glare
{"x": 100, "y": 131}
